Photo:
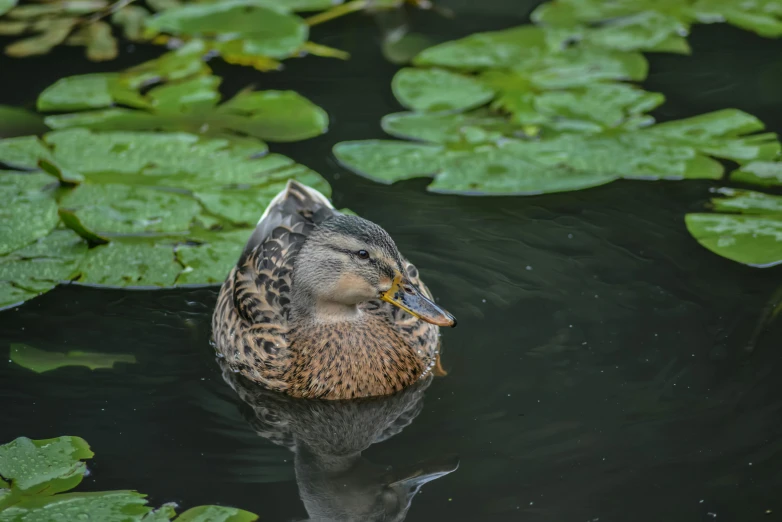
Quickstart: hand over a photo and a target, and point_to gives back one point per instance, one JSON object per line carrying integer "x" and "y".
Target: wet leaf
{"x": 135, "y": 263}
{"x": 6, "y": 5}
{"x": 211, "y": 262}
{"x": 474, "y": 127}
{"x": 760, "y": 16}
{"x": 53, "y": 34}
{"x": 101, "y": 45}
{"x": 108, "y": 506}
{"x": 766, "y": 173}
{"x": 39, "y": 267}
{"x": 29, "y": 210}
{"x": 242, "y": 205}
{"x": 72, "y": 221}
{"x": 191, "y": 106}
{"x": 180, "y": 64}
{"x": 131, "y": 19}
{"x": 89, "y": 91}
{"x": 43, "y": 467}
{"x": 216, "y": 514}
{"x": 438, "y": 90}
{"x": 15, "y": 121}
{"x": 41, "y": 361}
{"x": 22, "y": 152}
{"x": 390, "y": 161}
{"x": 122, "y": 209}
{"x": 256, "y": 30}
{"x": 749, "y": 229}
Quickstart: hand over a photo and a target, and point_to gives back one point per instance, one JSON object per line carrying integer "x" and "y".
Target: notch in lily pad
{"x": 65, "y": 176}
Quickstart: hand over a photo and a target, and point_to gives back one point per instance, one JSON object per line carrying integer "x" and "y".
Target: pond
{"x": 605, "y": 366}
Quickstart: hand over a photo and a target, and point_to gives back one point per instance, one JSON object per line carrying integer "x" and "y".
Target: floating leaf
{"x": 131, "y": 19}
{"x": 109, "y": 506}
{"x": 137, "y": 263}
{"x": 216, "y": 514}
{"x": 251, "y": 29}
{"x": 37, "y": 268}
{"x": 474, "y": 127}
{"x": 760, "y": 16}
{"x": 488, "y": 161}
{"x": 190, "y": 106}
{"x": 766, "y": 173}
{"x": 750, "y": 234}
{"x": 438, "y": 90}
{"x": 53, "y": 33}
{"x": 15, "y": 121}
{"x": 41, "y": 361}
{"x": 101, "y": 44}
{"x": 89, "y": 91}
{"x": 122, "y": 209}
{"x": 6, "y": 5}
{"x": 29, "y": 210}
{"x": 211, "y": 262}
{"x": 43, "y": 467}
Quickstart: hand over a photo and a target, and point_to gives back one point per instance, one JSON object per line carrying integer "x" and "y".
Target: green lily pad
{"x": 131, "y": 19}
{"x": 438, "y": 90}
{"x": 765, "y": 173}
{"x": 108, "y": 506}
{"x": 6, "y": 5}
{"x": 216, "y": 514}
{"x": 29, "y": 210}
{"x": 133, "y": 263}
{"x": 191, "y": 106}
{"x": 748, "y": 228}
{"x": 494, "y": 163}
{"x": 252, "y": 29}
{"x": 43, "y": 467}
{"x": 15, "y": 121}
{"x": 39, "y": 267}
{"x": 89, "y": 91}
{"x": 474, "y": 127}
{"x": 122, "y": 209}
{"x": 41, "y": 361}
{"x": 760, "y": 16}
{"x": 210, "y": 262}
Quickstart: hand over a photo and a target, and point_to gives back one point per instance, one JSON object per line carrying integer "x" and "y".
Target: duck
{"x": 328, "y": 438}
{"x": 322, "y": 305}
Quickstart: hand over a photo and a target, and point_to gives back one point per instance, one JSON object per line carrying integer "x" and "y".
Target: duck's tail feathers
{"x": 296, "y": 202}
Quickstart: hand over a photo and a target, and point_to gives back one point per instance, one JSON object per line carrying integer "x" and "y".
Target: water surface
{"x": 605, "y": 365}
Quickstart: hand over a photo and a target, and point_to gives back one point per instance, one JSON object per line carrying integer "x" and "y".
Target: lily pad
{"x": 241, "y": 27}
{"x": 748, "y": 228}
{"x": 15, "y": 121}
{"x": 438, "y": 90}
{"x": 216, "y": 514}
{"x": 766, "y": 173}
{"x": 36, "y": 472}
{"x": 29, "y": 210}
{"x": 41, "y": 361}
{"x": 43, "y": 467}
{"x": 136, "y": 263}
{"x": 39, "y": 267}
{"x": 190, "y": 105}
{"x": 761, "y": 16}
{"x": 494, "y": 163}
{"x": 108, "y": 506}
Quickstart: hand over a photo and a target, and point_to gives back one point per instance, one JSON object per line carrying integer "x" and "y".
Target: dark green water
{"x": 605, "y": 366}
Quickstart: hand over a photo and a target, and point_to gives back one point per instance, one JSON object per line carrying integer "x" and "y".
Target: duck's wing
{"x": 251, "y": 318}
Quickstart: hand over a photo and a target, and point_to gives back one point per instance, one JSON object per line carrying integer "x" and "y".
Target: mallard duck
{"x": 327, "y": 438}
{"x": 322, "y": 305}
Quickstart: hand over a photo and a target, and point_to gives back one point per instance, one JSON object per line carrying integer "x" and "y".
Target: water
{"x": 605, "y": 366}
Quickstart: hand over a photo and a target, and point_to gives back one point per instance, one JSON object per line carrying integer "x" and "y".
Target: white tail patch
{"x": 314, "y": 194}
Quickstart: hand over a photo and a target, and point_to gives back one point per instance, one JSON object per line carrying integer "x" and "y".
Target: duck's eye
{"x": 362, "y": 254}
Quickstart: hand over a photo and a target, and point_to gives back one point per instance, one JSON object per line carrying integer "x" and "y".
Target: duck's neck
{"x": 311, "y": 310}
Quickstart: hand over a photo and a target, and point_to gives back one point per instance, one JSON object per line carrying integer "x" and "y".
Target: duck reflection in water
{"x": 336, "y": 483}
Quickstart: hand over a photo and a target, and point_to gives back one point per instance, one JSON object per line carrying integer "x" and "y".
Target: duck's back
{"x": 252, "y": 328}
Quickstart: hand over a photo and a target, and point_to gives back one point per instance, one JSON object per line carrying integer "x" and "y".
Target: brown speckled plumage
{"x": 259, "y": 335}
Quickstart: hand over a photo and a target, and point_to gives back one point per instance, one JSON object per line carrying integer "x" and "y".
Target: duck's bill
{"x": 404, "y": 295}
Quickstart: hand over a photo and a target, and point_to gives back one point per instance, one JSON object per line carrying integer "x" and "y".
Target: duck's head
{"x": 348, "y": 260}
